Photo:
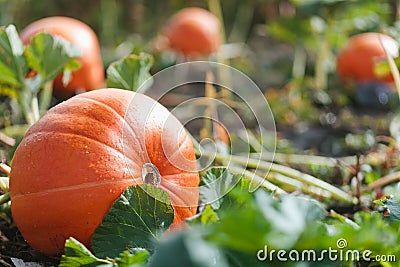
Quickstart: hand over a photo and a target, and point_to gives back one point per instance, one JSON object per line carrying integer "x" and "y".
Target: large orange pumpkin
{"x": 91, "y": 74}
{"x": 83, "y": 153}
{"x": 193, "y": 32}
{"x": 355, "y": 62}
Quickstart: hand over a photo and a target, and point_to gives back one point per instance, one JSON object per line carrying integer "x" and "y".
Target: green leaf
{"x": 130, "y": 73}
{"x": 187, "y": 249}
{"x": 289, "y": 218}
{"x": 76, "y": 254}
{"x": 392, "y": 207}
{"x": 8, "y": 90}
{"x": 215, "y": 184}
{"x": 343, "y": 219}
{"x": 135, "y": 257}
{"x": 49, "y": 55}
{"x": 207, "y": 215}
{"x": 292, "y": 213}
{"x": 71, "y": 66}
{"x": 13, "y": 65}
{"x": 136, "y": 220}
{"x": 382, "y": 68}
{"x": 291, "y": 30}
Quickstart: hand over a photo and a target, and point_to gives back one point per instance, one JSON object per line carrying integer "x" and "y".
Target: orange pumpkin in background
{"x": 193, "y": 32}
{"x": 83, "y": 153}
{"x": 91, "y": 74}
{"x": 356, "y": 60}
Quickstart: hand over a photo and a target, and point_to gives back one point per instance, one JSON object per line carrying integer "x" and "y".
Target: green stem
{"x": 293, "y": 158}
{"x": 321, "y": 73}
{"x": 305, "y": 159}
{"x": 215, "y": 8}
{"x": 292, "y": 185}
{"x": 35, "y": 109}
{"x": 256, "y": 180}
{"x": 15, "y": 130}
{"x": 28, "y": 113}
{"x": 45, "y": 97}
{"x": 335, "y": 192}
{"x": 223, "y": 73}
{"x": 299, "y": 62}
{"x": 29, "y": 105}
{"x": 4, "y": 198}
{"x": 393, "y": 69}
{"x": 312, "y": 182}
{"x": 388, "y": 179}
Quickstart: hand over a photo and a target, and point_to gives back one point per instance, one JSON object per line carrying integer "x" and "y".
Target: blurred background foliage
{"x": 288, "y": 47}
{"x": 281, "y": 39}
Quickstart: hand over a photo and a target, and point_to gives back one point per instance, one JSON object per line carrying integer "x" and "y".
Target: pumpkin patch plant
{"x": 81, "y": 156}
{"x": 27, "y": 72}
{"x": 357, "y": 59}
{"x": 193, "y": 32}
{"x": 91, "y": 74}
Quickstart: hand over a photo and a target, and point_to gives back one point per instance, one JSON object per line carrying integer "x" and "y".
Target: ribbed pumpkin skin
{"x": 355, "y": 62}
{"x": 71, "y": 166}
{"x": 91, "y": 74}
{"x": 193, "y": 32}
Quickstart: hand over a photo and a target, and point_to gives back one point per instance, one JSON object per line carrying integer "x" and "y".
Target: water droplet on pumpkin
{"x": 150, "y": 174}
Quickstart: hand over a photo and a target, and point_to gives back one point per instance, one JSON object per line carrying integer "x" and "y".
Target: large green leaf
{"x": 289, "y": 217}
{"x": 76, "y": 254}
{"x": 136, "y": 220}
{"x": 187, "y": 249}
{"x": 130, "y": 73}
{"x": 13, "y": 66}
{"x": 135, "y": 257}
{"x": 49, "y": 55}
{"x": 216, "y": 183}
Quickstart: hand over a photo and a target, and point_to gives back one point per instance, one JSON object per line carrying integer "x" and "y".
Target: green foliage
{"x": 13, "y": 65}
{"x": 207, "y": 215}
{"x": 248, "y": 225}
{"x": 215, "y": 183}
{"x": 189, "y": 249}
{"x": 391, "y": 206}
{"x": 133, "y": 257}
{"x": 46, "y": 56}
{"x": 49, "y": 55}
{"x": 136, "y": 220}
{"x": 77, "y": 255}
{"x": 130, "y": 73}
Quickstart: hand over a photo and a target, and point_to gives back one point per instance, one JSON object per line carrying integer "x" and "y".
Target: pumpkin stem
{"x": 150, "y": 174}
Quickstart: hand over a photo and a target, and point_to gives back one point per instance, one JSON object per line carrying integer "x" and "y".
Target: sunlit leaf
{"x": 77, "y": 255}
{"x": 49, "y": 55}
{"x": 207, "y": 215}
{"x": 130, "y": 72}
{"x": 13, "y": 66}
{"x": 133, "y": 257}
